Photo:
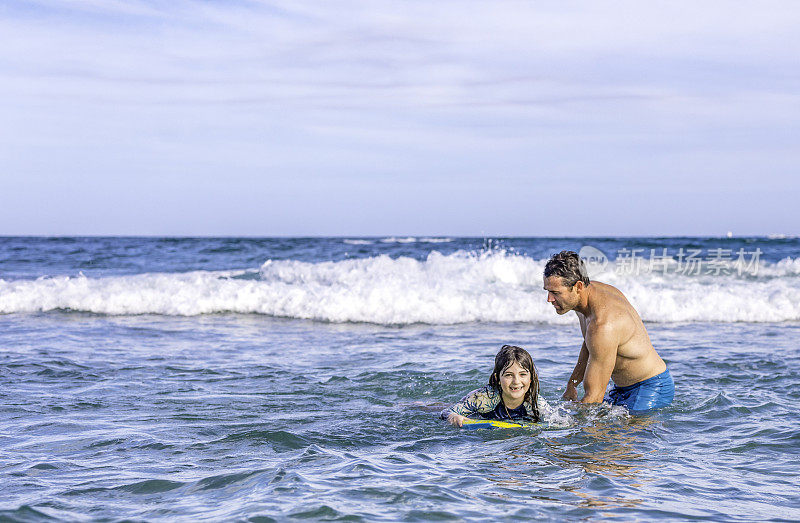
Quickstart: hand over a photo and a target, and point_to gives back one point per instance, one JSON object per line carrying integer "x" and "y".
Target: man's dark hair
{"x": 569, "y": 266}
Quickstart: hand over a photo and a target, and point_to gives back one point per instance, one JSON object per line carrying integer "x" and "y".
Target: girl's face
{"x": 514, "y": 382}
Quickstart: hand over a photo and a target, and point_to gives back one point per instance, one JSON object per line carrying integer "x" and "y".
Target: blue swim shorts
{"x": 652, "y": 393}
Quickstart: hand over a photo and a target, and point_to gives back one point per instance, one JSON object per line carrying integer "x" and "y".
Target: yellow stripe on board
{"x": 490, "y": 423}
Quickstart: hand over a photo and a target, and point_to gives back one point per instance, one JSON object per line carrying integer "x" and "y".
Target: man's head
{"x": 565, "y": 278}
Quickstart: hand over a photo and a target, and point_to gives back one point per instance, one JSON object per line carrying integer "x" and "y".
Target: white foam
{"x": 493, "y": 286}
{"x": 358, "y": 242}
{"x": 555, "y": 415}
{"x": 392, "y": 239}
{"x": 436, "y": 240}
{"x": 779, "y": 236}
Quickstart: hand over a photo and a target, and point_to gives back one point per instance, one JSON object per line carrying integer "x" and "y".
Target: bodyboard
{"x": 474, "y": 424}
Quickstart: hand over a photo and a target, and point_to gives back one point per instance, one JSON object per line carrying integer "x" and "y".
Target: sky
{"x": 390, "y": 117}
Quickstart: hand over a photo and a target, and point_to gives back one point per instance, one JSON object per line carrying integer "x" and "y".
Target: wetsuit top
{"x": 487, "y": 403}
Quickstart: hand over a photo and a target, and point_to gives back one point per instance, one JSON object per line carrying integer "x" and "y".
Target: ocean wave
{"x": 392, "y": 239}
{"x": 492, "y": 286}
{"x": 412, "y": 239}
{"x": 436, "y": 240}
{"x": 358, "y": 242}
{"x": 409, "y": 239}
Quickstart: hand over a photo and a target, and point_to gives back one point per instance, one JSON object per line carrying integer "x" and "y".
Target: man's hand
{"x": 455, "y": 420}
{"x": 571, "y": 393}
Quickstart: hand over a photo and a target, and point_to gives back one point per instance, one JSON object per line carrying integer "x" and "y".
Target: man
{"x": 615, "y": 343}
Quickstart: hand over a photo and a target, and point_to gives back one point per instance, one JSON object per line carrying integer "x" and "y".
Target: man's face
{"x": 563, "y": 298}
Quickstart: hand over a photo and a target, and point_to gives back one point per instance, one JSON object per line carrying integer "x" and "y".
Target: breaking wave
{"x": 493, "y": 286}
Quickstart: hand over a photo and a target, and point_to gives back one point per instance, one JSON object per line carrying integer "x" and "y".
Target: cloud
{"x": 444, "y": 51}
{"x": 447, "y": 90}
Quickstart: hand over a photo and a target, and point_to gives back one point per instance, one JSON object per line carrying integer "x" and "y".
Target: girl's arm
{"x": 476, "y": 402}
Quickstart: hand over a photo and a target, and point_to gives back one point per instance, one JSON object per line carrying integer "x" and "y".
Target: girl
{"x": 512, "y": 392}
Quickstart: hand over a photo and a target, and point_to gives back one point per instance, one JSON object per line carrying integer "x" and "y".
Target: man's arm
{"x": 577, "y": 374}
{"x": 601, "y": 342}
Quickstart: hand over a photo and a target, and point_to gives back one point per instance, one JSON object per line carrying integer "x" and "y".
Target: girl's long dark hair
{"x": 508, "y": 355}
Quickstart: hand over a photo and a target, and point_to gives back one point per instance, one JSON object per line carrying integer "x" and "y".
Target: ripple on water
{"x": 281, "y": 440}
{"x": 151, "y": 486}
{"x": 25, "y": 513}
{"x": 223, "y": 424}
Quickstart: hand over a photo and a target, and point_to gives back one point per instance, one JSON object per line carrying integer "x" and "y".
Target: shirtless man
{"x": 615, "y": 343}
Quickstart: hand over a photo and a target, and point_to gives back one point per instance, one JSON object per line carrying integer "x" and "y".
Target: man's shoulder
{"x": 608, "y": 305}
{"x": 603, "y": 325}
{"x": 611, "y": 322}
{"x": 612, "y": 325}
{"x": 605, "y": 292}
{"x": 603, "y": 337}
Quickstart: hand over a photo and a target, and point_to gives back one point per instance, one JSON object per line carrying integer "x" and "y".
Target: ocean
{"x": 252, "y": 379}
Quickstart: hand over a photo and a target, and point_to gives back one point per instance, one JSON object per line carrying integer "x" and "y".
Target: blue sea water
{"x": 301, "y": 378}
